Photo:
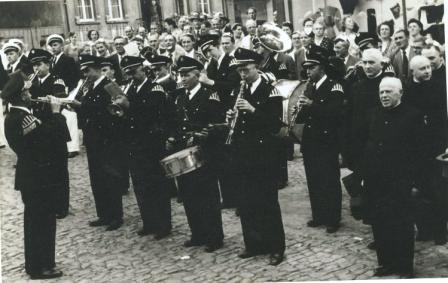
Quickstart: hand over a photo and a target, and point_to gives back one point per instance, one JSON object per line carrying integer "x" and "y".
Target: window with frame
{"x": 204, "y": 6}
{"x": 85, "y": 10}
{"x": 114, "y": 10}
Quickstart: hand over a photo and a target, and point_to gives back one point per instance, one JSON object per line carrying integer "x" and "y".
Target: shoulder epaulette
{"x": 282, "y": 67}
{"x": 390, "y": 70}
{"x": 59, "y": 82}
{"x": 179, "y": 85}
{"x": 157, "y": 88}
{"x": 29, "y": 123}
{"x": 269, "y": 77}
{"x": 233, "y": 62}
{"x": 274, "y": 92}
{"x": 214, "y": 96}
{"x": 337, "y": 87}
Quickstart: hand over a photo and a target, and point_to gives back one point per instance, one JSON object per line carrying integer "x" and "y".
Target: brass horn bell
{"x": 273, "y": 38}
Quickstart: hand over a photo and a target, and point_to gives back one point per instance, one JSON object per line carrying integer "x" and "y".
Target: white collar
{"x": 21, "y": 108}
{"x": 44, "y": 78}
{"x": 232, "y": 53}
{"x": 193, "y": 91}
{"x": 221, "y": 58}
{"x": 346, "y": 59}
{"x": 14, "y": 65}
{"x": 321, "y": 81}
{"x": 255, "y": 84}
{"x": 56, "y": 59}
{"x": 98, "y": 81}
{"x": 140, "y": 85}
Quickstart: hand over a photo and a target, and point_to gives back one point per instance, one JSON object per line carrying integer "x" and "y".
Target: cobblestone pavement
{"x": 87, "y": 254}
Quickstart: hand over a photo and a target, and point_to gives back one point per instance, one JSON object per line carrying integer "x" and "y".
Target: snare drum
{"x": 182, "y": 162}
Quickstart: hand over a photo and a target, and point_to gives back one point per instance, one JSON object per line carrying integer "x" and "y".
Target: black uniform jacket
{"x": 67, "y": 70}
{"x": 36, "y": 144}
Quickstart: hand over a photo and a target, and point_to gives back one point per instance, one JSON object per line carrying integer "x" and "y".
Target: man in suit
{"x": 340, "y": 48}
{"x": 119, "y": 43}
{"x": 389, "y": 168}
{"x": 16, "y": 60}
{"x": 246, "y": 41}
{"x": 259, "y": 107}
{"x": 45, "y": 84}
{"x": 401, "y": 58}
{"x": 426, "y": 94}
{"x": 321, "y": 114}
{"x": 197, "y": 106}
{"x": 103, "y": 138}
{"x": 146, "y": 124}
{"x": 62, "y": 65}
{"x": 33, "y": 141}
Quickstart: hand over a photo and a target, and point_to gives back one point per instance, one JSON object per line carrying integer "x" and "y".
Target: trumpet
{"x": 33, "y": 75}
{"x": 232, "y": 123}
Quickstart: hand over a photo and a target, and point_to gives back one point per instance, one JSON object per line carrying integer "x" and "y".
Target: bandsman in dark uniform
{"x": 146, "y": 121}
{"x": 62, "y": 65}
{"x": 197, "y": 106}
{"x": 259, "y": 107}
{"x": 426, "y": 94}
{"x": 320, "y": 111}
{"x": 16, "y": 60}
{"x": 33, "y": 140}
{"x": 103, "y": 138}
{"x": 48, "y": 84}
{"x": 160, "y": 66}
{"x": 389, "y": 168}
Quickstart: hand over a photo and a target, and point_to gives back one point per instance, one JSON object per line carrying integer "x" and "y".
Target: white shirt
{"x": 246, "y": 42}
{"x": 14, "y": 65}
{"x": 98, "y": 81}
{"x": 190, "y": 54}
{"x": 140, "y": 85}
{"x": 255, "y": 84}
{"x": 321, "y": 81}
{"x": 193, "y": 91}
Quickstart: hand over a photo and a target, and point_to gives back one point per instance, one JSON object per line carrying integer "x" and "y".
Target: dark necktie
{"x": 9, "y": 70}
{"x": 405, "y": 63}
{"x": 248, "y": 92}
{"x": 188, "y": 94}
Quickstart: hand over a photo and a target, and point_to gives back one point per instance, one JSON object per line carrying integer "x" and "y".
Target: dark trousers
{"x": 63, "y": 194}
{"x": 40, "y": 231}
{"x": 105, "y": 177}
{"x": 260, "y": 213}
{"x": 324, "y": 186}
{"x": 200, "y": 195}
{"x": 431, "y": 203}
{"x": 283, "y": 152}
{"x": 394, "y": 244}
{"x": 151, "y": 191}
{"x": 228, "y": 182}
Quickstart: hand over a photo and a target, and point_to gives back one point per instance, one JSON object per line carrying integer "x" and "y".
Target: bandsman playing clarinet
{"x": 146, "y": 121}
{"x": 195, "y": 108}
{"x": 258, "y": 106}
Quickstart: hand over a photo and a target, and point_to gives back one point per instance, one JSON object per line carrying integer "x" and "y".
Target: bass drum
{"x": 290, "y": 91}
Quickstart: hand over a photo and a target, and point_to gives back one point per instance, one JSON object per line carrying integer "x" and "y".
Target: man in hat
{"x": 259, "y": 107}
{"x": 427, "y": 95}
{"x": 34, "y": 140}
{"x": 45, "y": 84}
{"x": 146, "y": 120}
{"x": 62, "y": 65}
{"x": 366, "y": 41}
{"x": 391, "y": 167}
{"x": 321, "y": 108}
{"x": 103, "y": 138}
{"x": 160, "y": 66}
{"x": 197, "y": 106}
{"x": 16, "y": 60}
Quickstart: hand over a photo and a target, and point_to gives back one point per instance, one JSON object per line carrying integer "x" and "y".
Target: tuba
{"x": 273, "y": 38}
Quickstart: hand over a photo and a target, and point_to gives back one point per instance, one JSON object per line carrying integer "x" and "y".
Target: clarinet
{"x": 232, "y": 123}
{"x": 299, "y": 108}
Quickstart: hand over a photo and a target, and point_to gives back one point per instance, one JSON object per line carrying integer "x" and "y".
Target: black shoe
{"x": 237, "y": 212}
{"x": 383, "y": 271}
{"x": 332, "y": 229}
{"x": 114, "y": 225}
{"x": 191, "y": 243}
{"x": 144, "y": 232}
{"x": 72, "y": 154}
{"x": 275, "y": 259}
{"x": 247, "y": 254}
{"x": 372, "y": 246}
{"x": 161, "y": 235}
{"x": 209, "y": 248}
{"x": 46, "y": 274}
{"x": 423, "y": 237}
{"x": 406, "y": 274}
{"x": 98, "y": 222}
{"x": 440, "y": 241}
{"x": 313, "y": 224}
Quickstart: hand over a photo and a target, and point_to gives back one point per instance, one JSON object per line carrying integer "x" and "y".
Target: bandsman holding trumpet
{"x": 42, "y": 85}
{"x": 103, "y": 138}
{"x": 146, "y": 122}
{"x": 196, "y": 106}
{"x": 259, "y": 111}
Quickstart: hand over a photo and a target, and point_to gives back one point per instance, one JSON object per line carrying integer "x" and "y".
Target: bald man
{"x": 362, "y": 97}
{"x": 388, "y": 172}
{"x": 246, "y": 42}
{"x": 429, "y": 96}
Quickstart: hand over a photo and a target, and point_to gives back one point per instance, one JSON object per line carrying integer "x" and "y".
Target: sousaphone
{"x": 273, "y": 38}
